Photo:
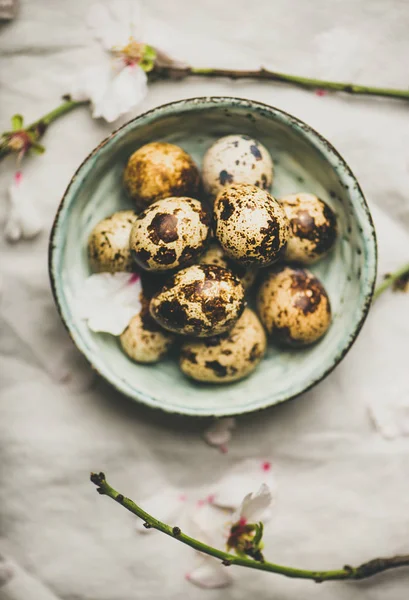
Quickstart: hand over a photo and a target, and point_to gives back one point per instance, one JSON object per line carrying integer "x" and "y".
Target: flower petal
{"x": 167, "y": 505}
{"x": 391, "y": 420}
{"x": 23, "y": 220}
{"x": 91, "y": 83}
{"x": 210, "y": 574}
{"x": 255, "y": 505}
{"x": 220, "y": 432}
{"x": 114, "y": 22}
{"x": 108, "y": 301}
{"x": 208, "y": 523}
{"x": 246, "y": 476}
{"x": 125, "y": 91}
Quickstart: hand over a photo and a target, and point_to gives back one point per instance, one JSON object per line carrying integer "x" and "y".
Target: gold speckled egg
{"x": 108, "y": 243}
{"x": 144, "y": 341}
{"x": 229, "y": 357}
{"x": 214, "y": 255}
{"x": 159, "y": 170}
{"x": 236, "y": 159}
{"x": 250, "y": 225}
{"x": 293, "y": 306}
{"x": 170, "y": 233}
{"x": 201, "y": 300}
{"x": 313, "y": 228}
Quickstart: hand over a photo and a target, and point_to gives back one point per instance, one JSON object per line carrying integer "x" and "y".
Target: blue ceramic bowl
{"x": 304, "y": 161}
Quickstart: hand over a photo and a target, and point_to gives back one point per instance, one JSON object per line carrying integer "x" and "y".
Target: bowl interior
{"x": 303, "y": 162}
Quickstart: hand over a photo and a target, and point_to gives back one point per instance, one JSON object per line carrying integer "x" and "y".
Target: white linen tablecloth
{"x": 342, "y": 488}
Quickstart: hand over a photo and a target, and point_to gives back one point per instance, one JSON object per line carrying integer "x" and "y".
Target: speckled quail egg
{"x": 313, "y": 228}
{"x": 250, "y": 225}
{"x": 236, "y": 159}
{"x": 293, "y": 306}
{"x": 201, "y": 300}
{"x": 214, "y": 255}
{"x": 228, "y": 357}
{"x": 108, "y": 243}
{"x": 159, "y": 170}
{"x": 169, "y": 233}
{"x": 144, "y": 341}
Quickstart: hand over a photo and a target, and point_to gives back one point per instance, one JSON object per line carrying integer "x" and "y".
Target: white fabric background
{"x": 343, "y": 491}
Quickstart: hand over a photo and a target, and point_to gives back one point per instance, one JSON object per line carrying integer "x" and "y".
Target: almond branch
{"x": 175, "y": 72}
{"x": 368, "y": 569}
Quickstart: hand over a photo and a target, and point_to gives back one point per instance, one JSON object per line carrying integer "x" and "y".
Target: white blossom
{"x": 23, "y": 220}
{"x": 119, "y": 82}
{"x": 255, "y": 506}
{"x": 390, "y": 418}
{"x": 108, "y": 301}
{"x": 247, "y": 475}
{"x": 220, "y": 432}
{"x": 211, "y": 520}
{"x": 210, "y": 574}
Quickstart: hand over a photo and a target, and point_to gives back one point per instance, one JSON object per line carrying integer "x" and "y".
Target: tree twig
{"x": 176, "y": 73}
{"x": 363, "y": 571}
{"x": 39, "y": 127}
{"x": 392, "y": 279}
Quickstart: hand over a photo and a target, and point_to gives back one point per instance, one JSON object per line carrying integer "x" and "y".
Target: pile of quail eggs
{"x": 205, "y": 247}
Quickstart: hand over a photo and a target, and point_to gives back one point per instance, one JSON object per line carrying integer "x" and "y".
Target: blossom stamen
{"x": 132, "y": 53}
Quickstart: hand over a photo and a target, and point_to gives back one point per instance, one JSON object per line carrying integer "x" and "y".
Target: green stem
{"x": 53, "y": 115}
{"x": 39, "y": 127}
{"x": 361, "y": 572}
{"x": 391, "y": 279}
{"x": 171, "y": 72}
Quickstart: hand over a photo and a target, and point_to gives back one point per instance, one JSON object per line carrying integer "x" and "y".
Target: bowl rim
{"x": 342, "y": 171}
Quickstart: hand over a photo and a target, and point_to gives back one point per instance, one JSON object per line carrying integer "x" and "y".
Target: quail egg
{"x": 250, "y": 225}
{"x": 313, "y": 228}
{"x": 236, "y": 159}
{"x": 201, "y": 300}
{"x": 144, "y": 341}
{"x": 228, "y": 357}
{"x": 108, "y": 244}
{"x": 159, "y": 170}
{"x": 214, "y": 255}
{"x": 293, "y": 306}
{"x": 169, "y": 233}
